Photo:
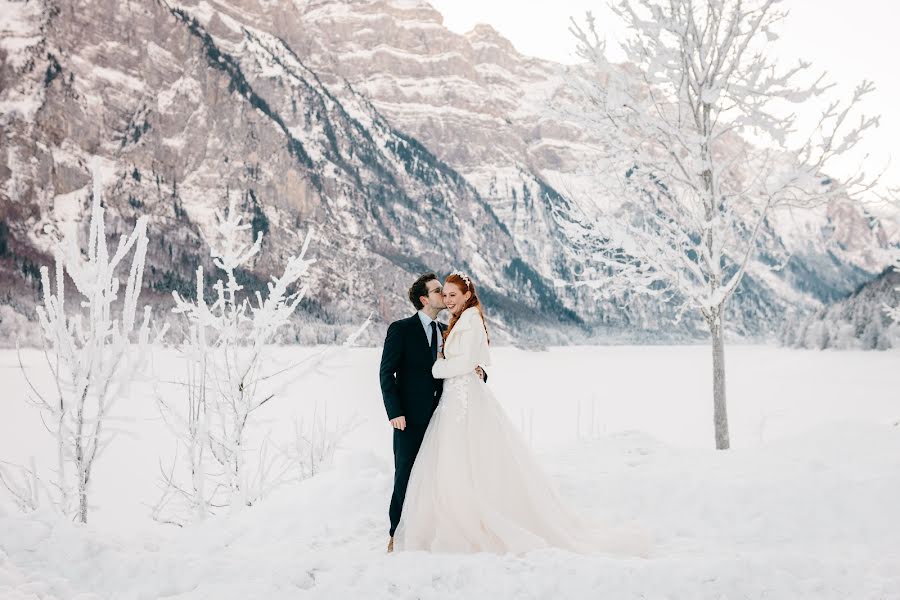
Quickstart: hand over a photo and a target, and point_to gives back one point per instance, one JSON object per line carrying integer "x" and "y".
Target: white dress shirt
{"x": 426, "y": 323}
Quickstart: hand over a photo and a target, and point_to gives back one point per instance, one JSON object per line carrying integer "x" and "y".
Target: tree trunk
{"x": 80, "y": 459}
{"x": 720, "y": 411}
{"x": 82, "y": 503}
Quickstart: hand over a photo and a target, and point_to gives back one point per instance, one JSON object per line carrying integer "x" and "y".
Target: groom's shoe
{"x": 391, "y": 545}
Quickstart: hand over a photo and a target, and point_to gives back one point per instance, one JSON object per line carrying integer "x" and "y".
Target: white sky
{"x": 851, "y": 40}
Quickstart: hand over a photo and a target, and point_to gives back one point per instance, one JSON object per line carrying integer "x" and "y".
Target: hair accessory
{"x": 464, "y": 277}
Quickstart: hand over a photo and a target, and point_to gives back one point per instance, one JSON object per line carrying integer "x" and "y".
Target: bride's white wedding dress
{"x": 475, "y": 485}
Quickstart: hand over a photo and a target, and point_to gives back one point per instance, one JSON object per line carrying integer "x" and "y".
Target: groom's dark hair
{"x": 420, "y": 288}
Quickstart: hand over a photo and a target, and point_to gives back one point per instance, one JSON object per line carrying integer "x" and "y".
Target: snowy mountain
{"x": 408, "y": 147}
{"x": 858, "y": 321}
{"x": 210, "y": 108}
{"x": 538, "y": 168}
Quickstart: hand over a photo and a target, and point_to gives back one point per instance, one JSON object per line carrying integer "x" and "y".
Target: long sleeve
{"x": 390, "y": 360}
{"x": 468, "y": 351}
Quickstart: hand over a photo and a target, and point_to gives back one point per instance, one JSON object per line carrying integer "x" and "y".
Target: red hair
{"x": 464, "y": 283}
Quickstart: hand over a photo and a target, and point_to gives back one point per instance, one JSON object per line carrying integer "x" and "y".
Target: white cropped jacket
{"x": 465, "y": 348}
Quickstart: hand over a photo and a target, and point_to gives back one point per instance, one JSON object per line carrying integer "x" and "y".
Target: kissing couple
{"x": 465, "y": 480}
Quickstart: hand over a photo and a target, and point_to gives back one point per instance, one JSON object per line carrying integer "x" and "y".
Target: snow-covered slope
{"x": 802, "y": 507}
{"x": 858, "y": 321}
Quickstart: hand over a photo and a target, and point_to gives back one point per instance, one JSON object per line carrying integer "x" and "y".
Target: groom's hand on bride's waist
{"x": 480, "y": 372}
{"x": 399, "y": 423}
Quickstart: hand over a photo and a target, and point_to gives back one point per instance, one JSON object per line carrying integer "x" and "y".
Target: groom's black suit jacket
{"x": 407, "y": 386}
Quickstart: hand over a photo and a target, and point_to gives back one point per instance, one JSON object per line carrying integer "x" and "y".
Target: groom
{"x": 410, "y": 392}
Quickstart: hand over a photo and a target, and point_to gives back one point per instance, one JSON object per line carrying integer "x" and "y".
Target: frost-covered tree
{"x": 94, "y": 348}
{"x": 698, "y": 82}
{"x": 227, "y": 348}
{"x": 894, "y": 311}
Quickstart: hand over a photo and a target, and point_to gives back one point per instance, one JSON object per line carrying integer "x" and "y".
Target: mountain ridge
{"x": 262, "y": 100}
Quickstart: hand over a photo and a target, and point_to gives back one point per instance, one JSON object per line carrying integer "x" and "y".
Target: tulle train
{"x": 476, "y": 487}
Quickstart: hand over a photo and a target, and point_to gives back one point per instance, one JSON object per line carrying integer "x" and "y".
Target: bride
{"x": 475, "y": 486}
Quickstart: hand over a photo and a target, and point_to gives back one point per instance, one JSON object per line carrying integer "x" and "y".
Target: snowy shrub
{"x": 314, "y": 442}
{"x": 93, "y": 349}
{"x": 227, "y": 348}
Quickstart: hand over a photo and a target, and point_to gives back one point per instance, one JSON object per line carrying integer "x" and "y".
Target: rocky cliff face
{"x": 406, "y": 146}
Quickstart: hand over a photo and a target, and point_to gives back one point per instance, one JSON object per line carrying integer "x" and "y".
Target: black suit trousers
{"x": 406, "y": 446}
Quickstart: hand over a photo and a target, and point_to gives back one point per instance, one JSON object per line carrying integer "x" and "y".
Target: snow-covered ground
{"x": 805, "y": 505}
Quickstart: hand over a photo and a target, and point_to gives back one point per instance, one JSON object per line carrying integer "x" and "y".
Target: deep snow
{"x": 804, "y": 506}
